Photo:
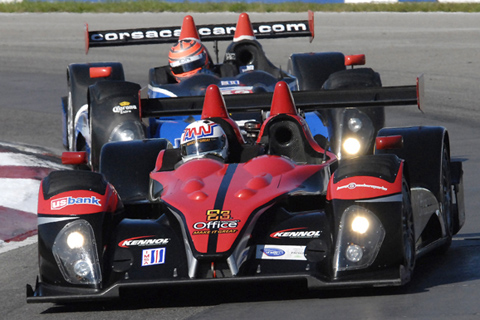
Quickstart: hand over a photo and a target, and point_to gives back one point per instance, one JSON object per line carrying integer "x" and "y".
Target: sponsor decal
{"x": 280, "y": 252}
{"x": 353, "y": 185}
{"x": 152, "y": 257}
{"x": 203, "y": 131}
{"x": 218, "y": 221}
{"x": 215, "y": 227}
{"x": 61, "y": 203}
{"x": 230, "y": 56}
{"x": 273, "y": 252}
{"x": 167, "y": 33}
{"x": 135, "y": 35}
{"x": 124, "y": 107}
{"x": 248, "y": 67}
{"x": 230, "y": 82}
{"x": 236, "y": 90}
{"x": 142, "y": 242}
{"x": 295, "y": 234}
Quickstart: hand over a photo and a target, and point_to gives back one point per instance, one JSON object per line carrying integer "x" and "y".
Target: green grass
{"x": 186, "y": 6}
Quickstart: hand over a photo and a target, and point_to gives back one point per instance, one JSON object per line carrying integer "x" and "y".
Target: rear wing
{"x": 305, "y": 100}
{"x": 208, "y": 32}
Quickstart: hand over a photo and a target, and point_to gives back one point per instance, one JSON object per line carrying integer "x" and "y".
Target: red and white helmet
{"x": 187, "y": 57}
{"x": 201, "y": 138}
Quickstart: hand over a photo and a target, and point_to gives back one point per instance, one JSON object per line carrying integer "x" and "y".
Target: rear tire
{"x": 353, "y": 78}
{"x": 312, "y": 70}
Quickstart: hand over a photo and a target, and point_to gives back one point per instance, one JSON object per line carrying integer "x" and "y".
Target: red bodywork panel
{"x": 217, "y": 200}
{"x": 364, "y": 187}
{"x": 78, "y": 202}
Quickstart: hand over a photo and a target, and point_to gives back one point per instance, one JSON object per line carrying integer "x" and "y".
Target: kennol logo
{"x": 295, "y": 233}
{"x": 204, "y": 31}
{"x": 142, "y": 242}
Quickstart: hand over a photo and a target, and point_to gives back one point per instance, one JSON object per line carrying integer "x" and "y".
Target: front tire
{"x": 446, "y": 198}
{"x": 408, "y": 231}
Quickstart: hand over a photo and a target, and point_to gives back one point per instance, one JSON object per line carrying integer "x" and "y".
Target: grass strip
{"x": 186, "y": 6}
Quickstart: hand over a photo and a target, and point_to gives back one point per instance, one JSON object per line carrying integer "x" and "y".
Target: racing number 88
{"x": 214, "y": 215}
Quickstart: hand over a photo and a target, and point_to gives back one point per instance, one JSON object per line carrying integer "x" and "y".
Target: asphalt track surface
{"x": 36, "y": 48}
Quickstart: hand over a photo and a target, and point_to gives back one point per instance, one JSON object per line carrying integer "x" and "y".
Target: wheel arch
{"x": 113, "y": 106}
{"x": 422, "y": 152}
{"x": 313, "y": 69}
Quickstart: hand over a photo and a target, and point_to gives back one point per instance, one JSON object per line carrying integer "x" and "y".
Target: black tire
{"x": 445, "y": 198}
{"x": 408, "y": 231}
{"x": 313, "y": 69}
{"x": 353, "y": 78}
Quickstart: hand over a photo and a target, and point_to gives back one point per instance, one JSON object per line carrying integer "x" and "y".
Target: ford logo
{"x": 272, "y": 252}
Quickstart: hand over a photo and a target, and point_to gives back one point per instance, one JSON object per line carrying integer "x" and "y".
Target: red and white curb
{"x": 21, "y": 170}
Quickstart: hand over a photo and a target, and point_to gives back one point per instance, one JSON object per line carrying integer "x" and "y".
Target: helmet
{"x": 201, "y": 138}
{"x": 187, "y": 57}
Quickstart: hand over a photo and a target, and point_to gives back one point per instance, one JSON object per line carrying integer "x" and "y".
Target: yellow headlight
{"x": 360, "y": 224}
{"x": 351, "y": 146}
{"x": 75, "y": 240}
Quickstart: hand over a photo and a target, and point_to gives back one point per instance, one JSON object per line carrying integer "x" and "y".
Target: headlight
{"x": 354, "y": 124}
{"x": 351, "y": 146}
{"x": 354, "y": 253}
{"x": 75, "y": 252}
{"x": 75, "y": 240}
{"x": 360, "y": 224}
{"x": 360, "y": 237}
{"x": 357, "y": 133}
{"x": 126, "y": 131}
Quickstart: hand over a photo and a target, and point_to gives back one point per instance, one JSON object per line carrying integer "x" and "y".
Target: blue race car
{"x": 102, "y": 106}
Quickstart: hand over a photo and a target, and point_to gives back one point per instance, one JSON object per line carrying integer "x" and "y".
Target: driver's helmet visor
{"x": 203, "y": 146}
{"x": 188, "y": 64}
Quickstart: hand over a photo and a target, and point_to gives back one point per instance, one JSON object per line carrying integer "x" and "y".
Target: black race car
{"x": 282, "y": 208}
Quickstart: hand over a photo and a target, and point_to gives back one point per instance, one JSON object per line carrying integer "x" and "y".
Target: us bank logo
{"x": 61, "y": 203}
